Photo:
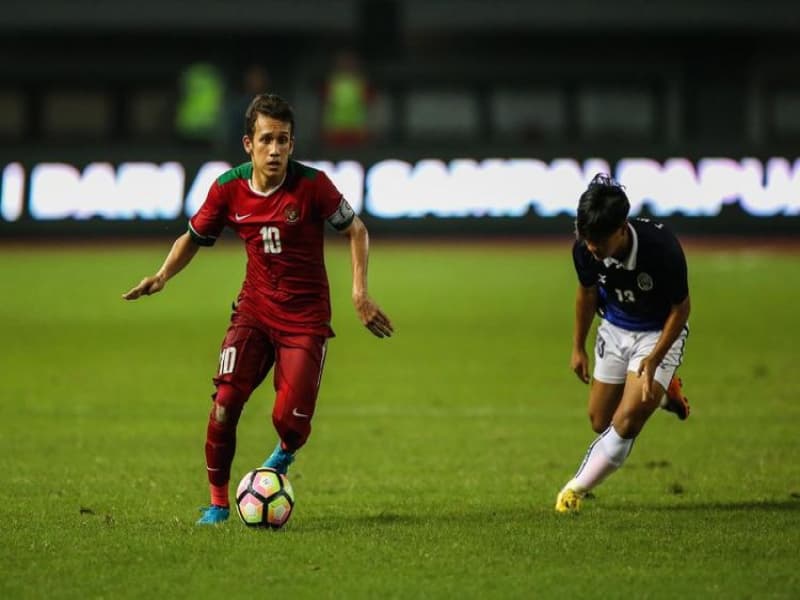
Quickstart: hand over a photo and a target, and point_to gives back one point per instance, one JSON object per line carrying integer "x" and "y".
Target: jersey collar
{"x": 629, "y": 263}
{"x": 269, "y": 192}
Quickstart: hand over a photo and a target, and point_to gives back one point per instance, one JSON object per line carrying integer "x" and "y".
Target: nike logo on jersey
{"x": 297, "y": 413}
{"x": 239, "y": 217}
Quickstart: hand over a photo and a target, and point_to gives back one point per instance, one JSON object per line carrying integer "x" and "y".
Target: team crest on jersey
{"x": 292, "y": 214}
{"x": 645, "y": 282}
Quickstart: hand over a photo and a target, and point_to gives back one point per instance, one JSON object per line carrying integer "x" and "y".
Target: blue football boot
{"x": 279, "y": 460}
{"x": 213, "y": 515}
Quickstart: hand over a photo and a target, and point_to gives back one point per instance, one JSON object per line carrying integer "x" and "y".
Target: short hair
{"x": 270, "y": 105}
{"x": 602, "y": 209}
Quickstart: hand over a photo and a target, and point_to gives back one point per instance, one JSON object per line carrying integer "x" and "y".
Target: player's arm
{"x": 677, "y": 286}
{"x": 676, "y": 320}
{"x": 368, "y": 311}
{"x": 181, "y": 254}
{"x": 585, "y": 308}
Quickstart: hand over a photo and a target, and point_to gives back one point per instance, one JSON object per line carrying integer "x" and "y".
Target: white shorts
{"x": 618, "y": 351}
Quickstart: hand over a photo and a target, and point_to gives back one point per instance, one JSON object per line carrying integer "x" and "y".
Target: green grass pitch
{"x": 435, "y": 457}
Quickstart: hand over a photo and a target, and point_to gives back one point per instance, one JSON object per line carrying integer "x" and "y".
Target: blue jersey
{"x": 637, "y": 292}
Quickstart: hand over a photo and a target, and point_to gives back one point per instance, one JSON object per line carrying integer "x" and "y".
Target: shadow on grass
{"x": 385, "y": 521}
{"x": 391, "y": 520}
{"x": 747, "y": 505}
{"x": 366, "y": 521}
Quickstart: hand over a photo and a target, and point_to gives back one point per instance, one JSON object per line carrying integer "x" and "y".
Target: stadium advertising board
{"x": 396, "y": 193}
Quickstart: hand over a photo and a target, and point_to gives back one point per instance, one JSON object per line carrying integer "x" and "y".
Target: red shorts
{"x": 250, "y": 350}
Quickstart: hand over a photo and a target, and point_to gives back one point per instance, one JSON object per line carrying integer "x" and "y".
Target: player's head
{"x": 602, "y": 217}
{"x": 269, "y": 137}
{"x": 269, "y": 105}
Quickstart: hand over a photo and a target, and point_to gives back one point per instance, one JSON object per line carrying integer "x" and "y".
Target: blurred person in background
{"x": 282, "y": 317}
{"x": 346, "y": 100}
{"x": 253, "y": 80}
{"x": 201, "y": 96}
{"x": 633, "y": 274}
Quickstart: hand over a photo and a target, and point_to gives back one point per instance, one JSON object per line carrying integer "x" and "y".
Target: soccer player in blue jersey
{"x": 632, "y": 273}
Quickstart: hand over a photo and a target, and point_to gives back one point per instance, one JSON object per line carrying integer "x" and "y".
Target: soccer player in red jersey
{"x": 279, "y": 208}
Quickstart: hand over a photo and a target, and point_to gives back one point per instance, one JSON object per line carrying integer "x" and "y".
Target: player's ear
{"x": 247, "y": 143}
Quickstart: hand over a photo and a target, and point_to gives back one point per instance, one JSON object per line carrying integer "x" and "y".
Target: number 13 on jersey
{"x": 625, "y": 295}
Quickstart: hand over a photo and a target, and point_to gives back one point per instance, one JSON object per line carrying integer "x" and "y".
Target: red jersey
{"x": 286, "y": 285}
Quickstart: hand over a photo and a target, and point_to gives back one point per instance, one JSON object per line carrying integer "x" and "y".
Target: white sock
{"x": 605, "y": 455}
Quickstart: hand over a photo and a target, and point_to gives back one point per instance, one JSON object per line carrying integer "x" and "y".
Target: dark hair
{"x": 270, "y": 105}
{"x": 602, "y": 209}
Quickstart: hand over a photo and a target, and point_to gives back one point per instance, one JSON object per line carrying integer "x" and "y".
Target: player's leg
{"x": 608, "y": 384}
{"x": 604, "y": 399}
{"x": 674, "y": 400}
{"x": 220, "y": 448}
{"x": 633, "y": 411}
{"x": 245, "y": 358}
{"x": 611, "y": 358}
{"x": 299, "y": 361}
{"x": 609, "y": 451}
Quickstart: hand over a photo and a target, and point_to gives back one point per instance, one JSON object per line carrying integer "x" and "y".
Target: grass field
{"x": 435, "y": 457}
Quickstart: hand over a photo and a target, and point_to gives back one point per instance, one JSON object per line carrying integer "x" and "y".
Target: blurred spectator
{"x": 346, "y": 102}
{"x": 201, "y": 93}
{"x": 254, "y": 80}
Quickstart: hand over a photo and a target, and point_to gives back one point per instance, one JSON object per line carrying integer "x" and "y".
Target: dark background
{"x": 84, "y": 80}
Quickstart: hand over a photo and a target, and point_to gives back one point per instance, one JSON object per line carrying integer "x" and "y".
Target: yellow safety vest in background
{"x": 346, "y": 107}
{"x": 200, "y": 104}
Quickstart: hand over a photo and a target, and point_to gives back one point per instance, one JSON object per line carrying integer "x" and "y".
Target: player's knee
{"x": 599, "y": 421}
{"x": 220, "y": 413}
{"x": 228, "y": 404}
{"x": 628, "y": 424}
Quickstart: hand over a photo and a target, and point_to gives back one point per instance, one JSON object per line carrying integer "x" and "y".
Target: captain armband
{"x": 201, "y": 240}
{"x": 342, "y": 216}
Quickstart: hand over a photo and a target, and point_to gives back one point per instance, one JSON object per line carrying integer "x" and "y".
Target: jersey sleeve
{"x": 332, "y": 204}
{"x": 585, "y": 267}
{"x": 677, "y": 272}
{"x": 209, "y": 220}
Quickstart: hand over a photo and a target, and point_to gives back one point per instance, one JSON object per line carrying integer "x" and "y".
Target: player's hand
{"x": 647, "y": 368}
{"x": 147, "y": 286}
{"x": 579, "y": 363}
{"x": 372, "y": 316}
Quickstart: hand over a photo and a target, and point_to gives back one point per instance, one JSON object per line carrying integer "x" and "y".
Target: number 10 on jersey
{"x": 272, "y": 240}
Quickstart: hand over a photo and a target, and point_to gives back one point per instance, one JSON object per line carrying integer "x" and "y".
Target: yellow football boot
{"x": 568, "y": 501}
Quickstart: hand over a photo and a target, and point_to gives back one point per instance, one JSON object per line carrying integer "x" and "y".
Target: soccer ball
{"x": 264, "y": 498}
